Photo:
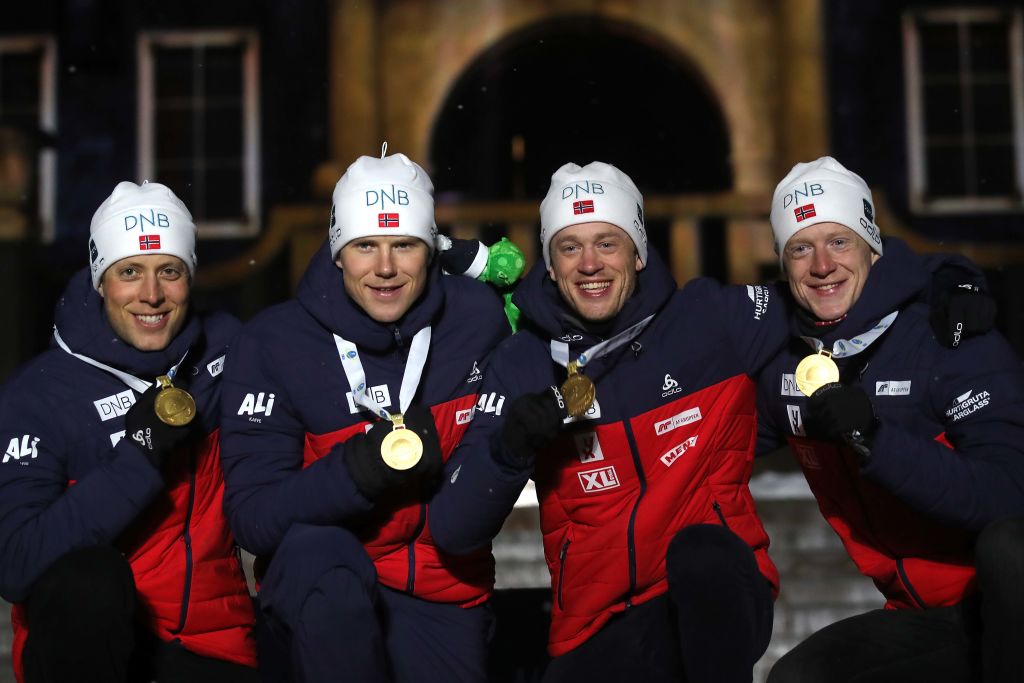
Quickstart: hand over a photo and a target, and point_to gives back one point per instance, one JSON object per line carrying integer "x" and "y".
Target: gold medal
{"x": 401, "y": 449}
{"x": 172, "y": 405}
{"x": 578, "y": 390}
{"x": 815, "y": 371}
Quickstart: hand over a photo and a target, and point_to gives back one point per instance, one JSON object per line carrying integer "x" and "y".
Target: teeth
{"x": 828, "y": 288}
{"x": 150, "y": 319}
{"x": 594, "y": 285}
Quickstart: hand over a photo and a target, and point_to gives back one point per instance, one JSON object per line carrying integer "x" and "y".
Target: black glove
{"x": 458, "y": 258}
{"x": 374, "y": 477}
{"x": 155, "y": 438}
{"x": 841, "y": 413}
{"x": 533, "y": 420}
{"x": 959, "y": 311}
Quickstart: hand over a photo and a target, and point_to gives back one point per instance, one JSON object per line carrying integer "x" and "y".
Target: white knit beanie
{"x": 390, "y": 196}
{"x": 823, "y": 191}
{"x": 140, "y": 219}
{"x": 597, "y": 192}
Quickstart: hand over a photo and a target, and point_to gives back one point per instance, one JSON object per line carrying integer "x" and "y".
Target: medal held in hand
{"x": 578, "y": 390}
{"x": 172, "y": 405}
{"x": 815, "y": 371}
{"x": 402, "y": 448}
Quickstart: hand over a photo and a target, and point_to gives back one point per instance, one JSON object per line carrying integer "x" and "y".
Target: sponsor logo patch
{"x": 678, "y": 450}
{"x": 678, "y": 420}
{"x": 594, "y": 481}
{"x": 593, "y": 413}
{"x": 378, "y": 393}
{"x": 669, "y": 387}
{"x": 215, "y": 367}
{"x": 23, "y": 447}
{"x": 789, "y": 387}
{"x": 796, "y": 422}
{"x": 490, "y": 403}
{"x": 759, "y": 295}
{"x": 114, "y": 405}
{"x": 257, "y": 404}
{"x": 463, "y": 417}
{"x": 588, "y": 448}
{"x": 475, "y": 375}
{"x": 115, "y": 437}
{"x": 967, "y": 403}
{"x": 892, "y": 388}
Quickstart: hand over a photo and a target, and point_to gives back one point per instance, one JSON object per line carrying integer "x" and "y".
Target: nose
{"x": 590, "y": 261}
{"x": 152, "y": 292}
{"x": 385, "y": 263}
{"x": 823, "y": 264}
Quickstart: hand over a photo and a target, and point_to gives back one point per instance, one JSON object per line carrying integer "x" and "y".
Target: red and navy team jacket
{"x": 288, "y": 410}
{"x": 947, "y": 459}
{"x": 668, "y": 443}
{"x": 69, "y": 480}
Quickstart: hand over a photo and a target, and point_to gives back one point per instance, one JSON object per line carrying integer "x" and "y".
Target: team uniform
{"x": 288, "y": 411}
{"x": 946, "y": 461}
{"x": 668, "y": 444}
{"x": 70, "y": 480}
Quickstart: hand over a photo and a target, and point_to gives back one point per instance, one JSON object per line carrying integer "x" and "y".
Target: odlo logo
{"x": 24, "y": 447}
{"x": 669, "y": 387}
{"x": 254, "y": 404}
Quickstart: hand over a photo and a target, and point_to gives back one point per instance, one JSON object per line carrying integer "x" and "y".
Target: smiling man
{"x": 113, "y": 541}
{"x": 659, "y": 564}
{"x": 913, "y": 450}
{"x": 378, "y": 356}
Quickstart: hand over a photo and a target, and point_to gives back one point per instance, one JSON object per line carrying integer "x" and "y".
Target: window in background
{"x": 199, "y": 124}
{"x": 965, "y": 105}
{"x": 28, "y": 118}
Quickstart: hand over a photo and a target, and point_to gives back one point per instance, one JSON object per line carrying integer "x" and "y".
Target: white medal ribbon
{"x": 844, "y": 348}
{"x": 133, "y": 382}
{"x": 560, "y": 350}
{"x": 353, "y": 367}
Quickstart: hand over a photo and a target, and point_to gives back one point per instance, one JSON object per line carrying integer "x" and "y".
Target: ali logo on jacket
{"x": 254, "y": 404}
{"x": 24, "y": 447}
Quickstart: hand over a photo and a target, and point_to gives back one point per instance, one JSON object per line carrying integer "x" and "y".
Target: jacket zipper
{"x": 909, "y": 586}
{"x": 411, "y": 583}
{"x": 718, "y": 511}
{"x": 561, "y": 570}
{"x": 187, "y": 539}
{"x": 631, "y": 529}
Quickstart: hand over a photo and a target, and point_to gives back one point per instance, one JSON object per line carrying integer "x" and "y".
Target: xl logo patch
{"x": 588, "y": 448}
{"x": 114, "y": 405}
{"x": 594, "y": 481}
{"x": 25, "y": 447}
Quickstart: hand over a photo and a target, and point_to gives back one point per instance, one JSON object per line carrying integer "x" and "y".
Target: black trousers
{"x": 711, "y": 627}
{"x": 82, "y": 629}
{"x": 980, "y": 639}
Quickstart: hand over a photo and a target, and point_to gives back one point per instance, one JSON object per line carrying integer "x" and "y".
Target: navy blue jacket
{"x": 69, "y": 480}
{"x": 287, "y": 411}
{"x": 668, "y": 443}
{"x": 948, "y": 457}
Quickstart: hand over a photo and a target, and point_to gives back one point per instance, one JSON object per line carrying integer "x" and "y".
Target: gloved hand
{"x": 961, "y": 311}
{"x": 533, "y": 420}
{"x": 841, "y": 413}
{"x": 374, "y": 477}
{"x": 149, "y": 433}
{"x": 458, "y": 255}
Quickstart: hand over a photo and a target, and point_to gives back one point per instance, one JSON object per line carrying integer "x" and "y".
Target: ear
{"x": 337, "y": 260}
{"x": 551, "y": 273}
{"x": 639, "y": 263}
{"x": 875, "y": 256}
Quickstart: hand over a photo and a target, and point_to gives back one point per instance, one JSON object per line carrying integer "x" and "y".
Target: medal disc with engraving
{"x": 172, "y": 405}
{"x": 814, "y": 372}
{"x": 579, "y": 393}
{"x": 401, "y": 448}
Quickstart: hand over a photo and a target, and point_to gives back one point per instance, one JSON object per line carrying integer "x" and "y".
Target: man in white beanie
{"x": 914, "y": 451}
{"x": 340, "y": 407}
{"x": 113, "y": 543}
{"x": 630, "y": 404}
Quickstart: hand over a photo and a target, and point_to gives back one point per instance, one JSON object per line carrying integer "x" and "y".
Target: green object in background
{"x": 505, "y": 265}
{"x": 511, "y": 310}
